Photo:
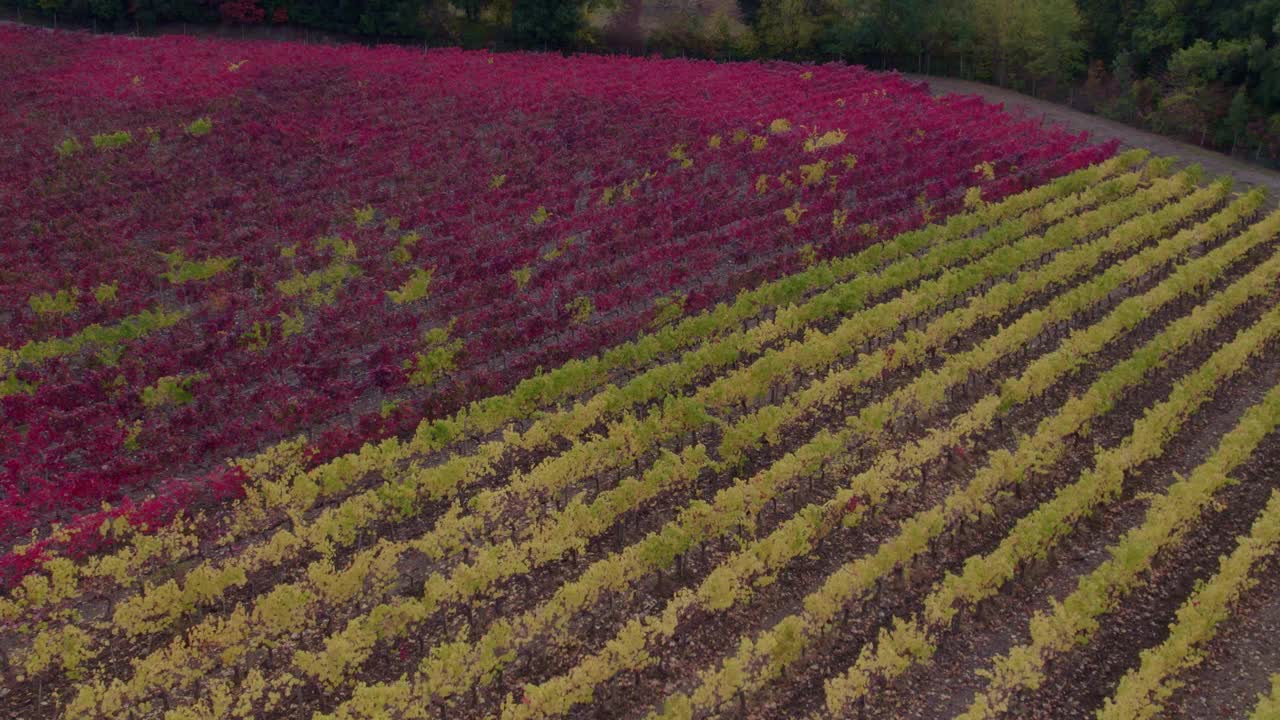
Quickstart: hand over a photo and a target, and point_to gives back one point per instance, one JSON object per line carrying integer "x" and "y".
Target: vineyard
{"x": 383, "y": 383}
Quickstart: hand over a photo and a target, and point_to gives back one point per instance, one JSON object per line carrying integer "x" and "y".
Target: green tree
{"x": 1002, "y": 30}
{"x": 51, "y": 6}
{"x": 1124, "y": 105}
{"x": 1101, "y": 20}
{"x": 1264, "y": 69}
{"x": 1057, "y": 47}
{"x": 898, "y": 29}
{"x": 848, "y": 30}
{"x": 1237, "y": 123}
{"x": 1162, "y": 27}
{"x": 948, "y": 28}
{"x": 471, "y": 8}
{"x": 750, "y": 10}
{"x": 1204, "y": 62}
{"x": 107, "y": 10}
{"x": 1269, "y": 136}
{"x": 394, "y": 18}
{"x": 787, "y": 27}
{"x": 547, "y": 23}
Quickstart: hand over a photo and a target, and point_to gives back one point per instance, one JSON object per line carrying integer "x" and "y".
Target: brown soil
{"x": 944, "y": 687}
{"x": 1239, "y": 662}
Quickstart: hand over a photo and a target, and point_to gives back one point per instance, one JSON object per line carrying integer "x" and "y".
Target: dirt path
{"x": 1214, "y": 163}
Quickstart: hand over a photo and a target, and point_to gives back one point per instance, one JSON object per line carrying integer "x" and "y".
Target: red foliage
{"x": 304, "y": 135}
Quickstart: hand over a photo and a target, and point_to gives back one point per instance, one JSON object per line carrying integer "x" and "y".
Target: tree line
{"x": 1207, "y": 71}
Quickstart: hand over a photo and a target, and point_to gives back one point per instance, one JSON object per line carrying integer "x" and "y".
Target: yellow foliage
{"x": 364, "y": 215}
{"x": 291, "y": 324}
{"x": 106, "y": 292}
{"x": 522, "y": 276}
{"x": 581, "y": 308}
{"x": 830, "y": 138}
{"x": 417, "y": 287}
{"x": 808, "y": 256}
{"x": 61, "y": 303}
{"x": 973, "y": 198}
{"x": 429, "y": 366}
{"x": 813, "y": 173}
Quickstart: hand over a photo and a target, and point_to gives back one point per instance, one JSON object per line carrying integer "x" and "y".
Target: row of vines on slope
{"x": 699, "y": 523}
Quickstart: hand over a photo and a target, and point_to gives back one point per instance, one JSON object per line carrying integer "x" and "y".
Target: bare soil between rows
{"x": 390, "y": 661}
{"x": 707, "y": 639}
{"x": 945, "y": 686}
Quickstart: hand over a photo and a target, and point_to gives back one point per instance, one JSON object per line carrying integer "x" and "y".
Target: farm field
{"x": 214, "y": 247}
{"x": 458, "y": 385}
